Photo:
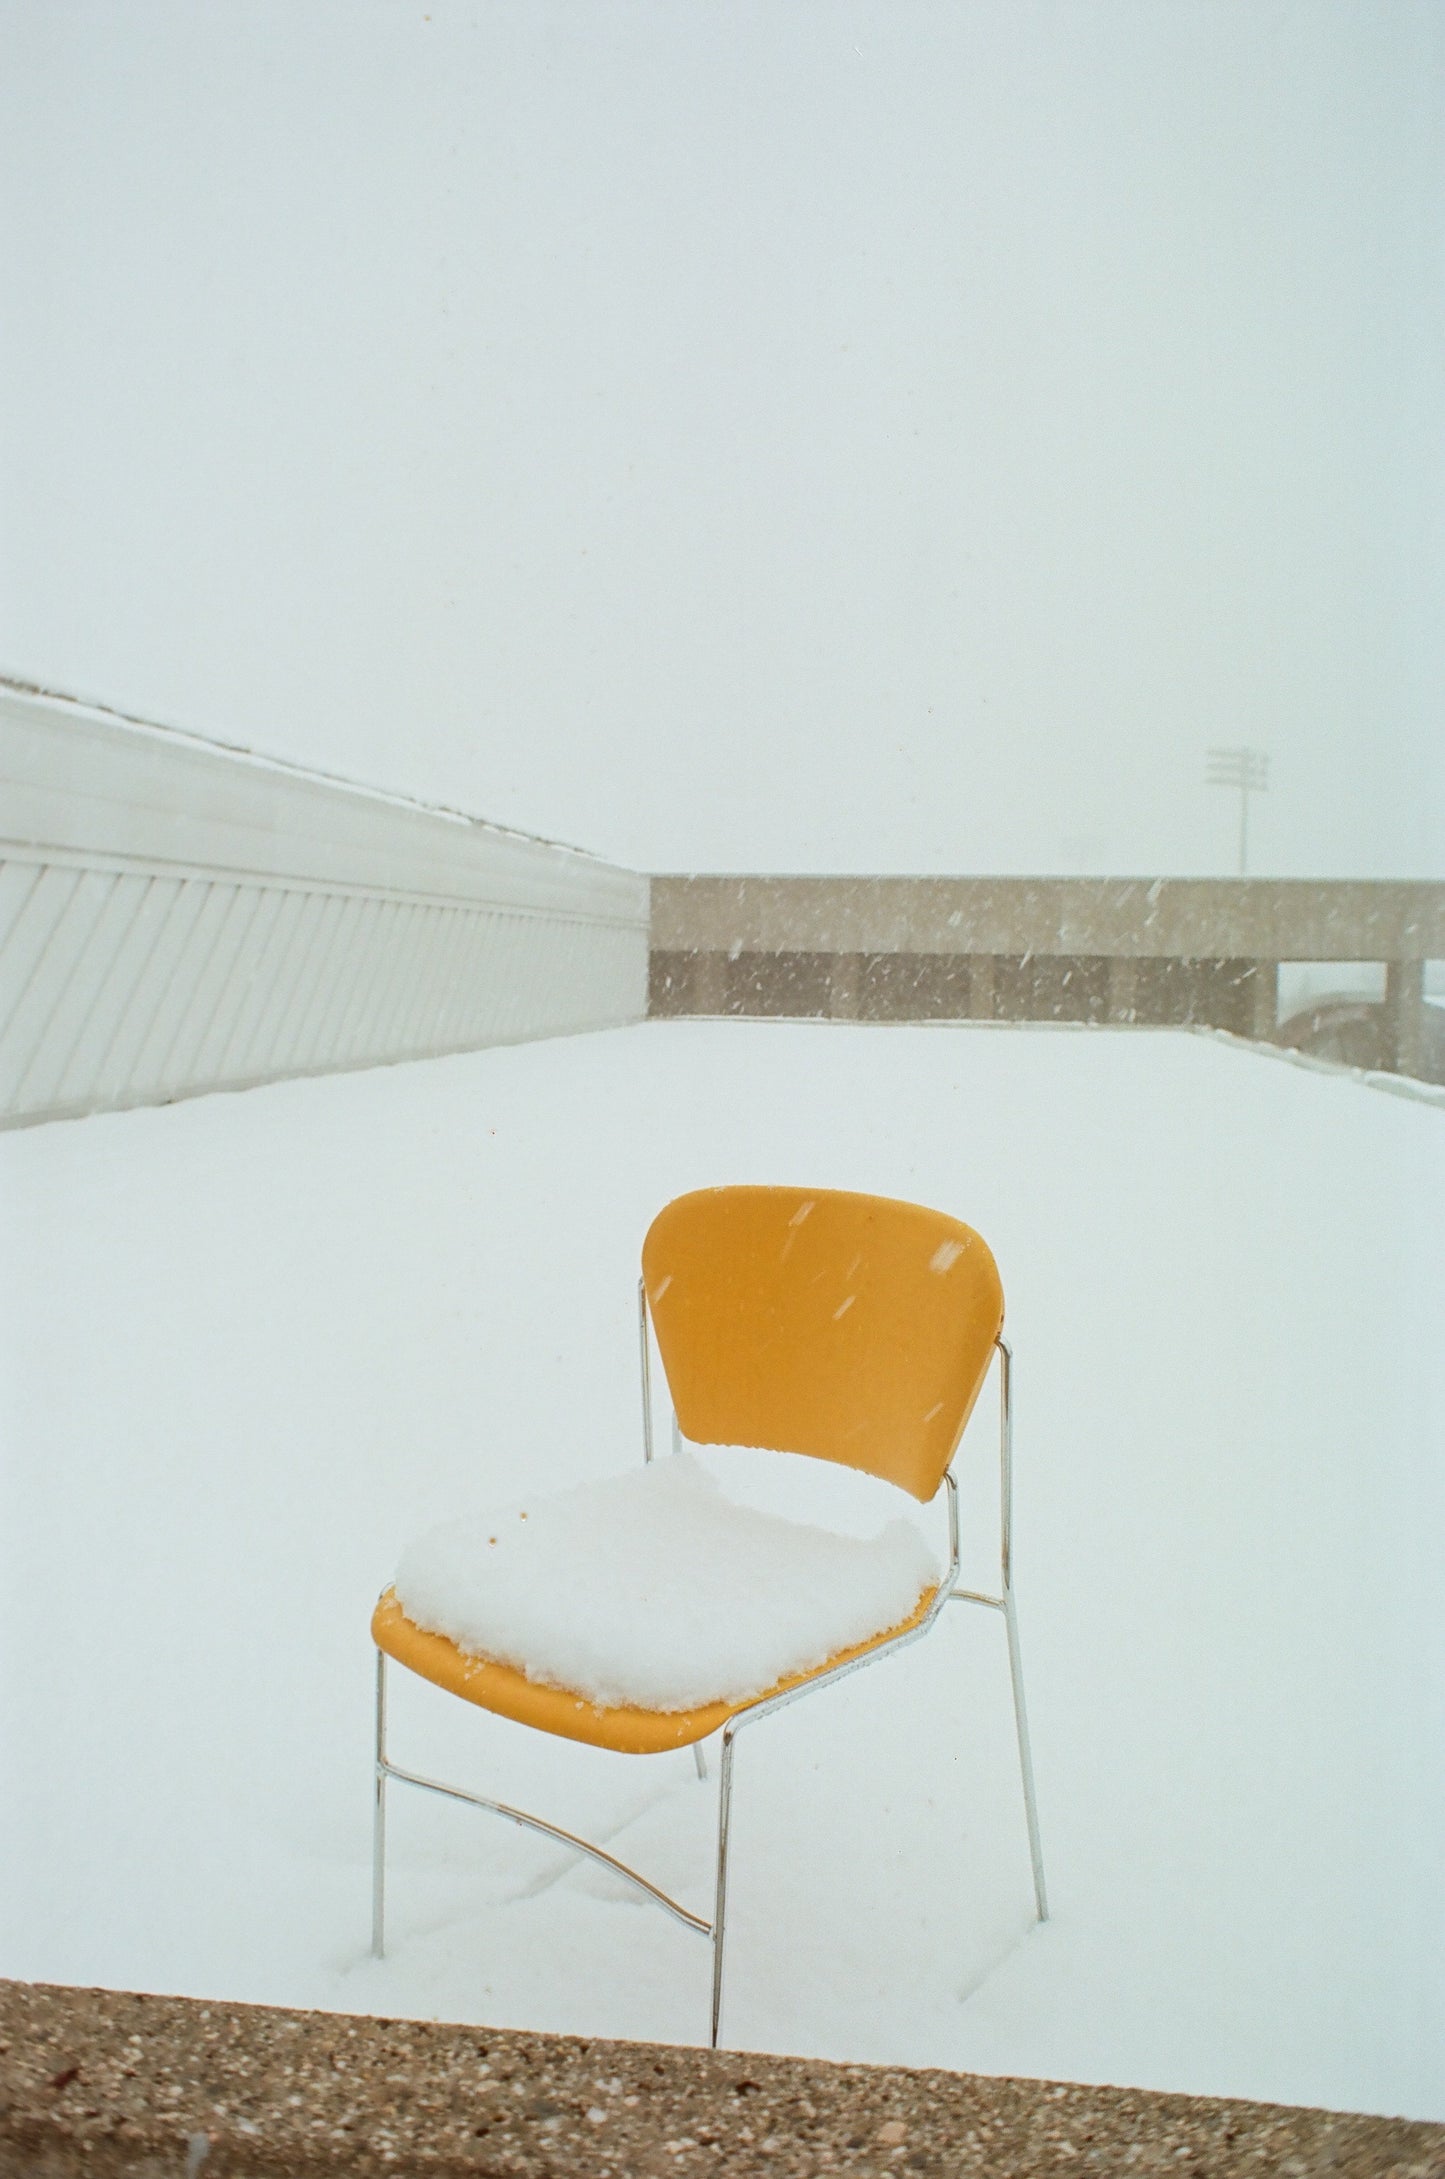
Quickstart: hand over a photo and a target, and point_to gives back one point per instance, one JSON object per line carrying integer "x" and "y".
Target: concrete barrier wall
{"x": 1183, "y": 951}
{"x": 176, "y": 917}
{"x": 1261, "y": 919}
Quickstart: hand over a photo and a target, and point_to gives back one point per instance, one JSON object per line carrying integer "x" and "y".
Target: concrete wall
{"x": 1165, "y": 950}
{"x": 176, "y": 917}
{"x": 1277, "y": 919}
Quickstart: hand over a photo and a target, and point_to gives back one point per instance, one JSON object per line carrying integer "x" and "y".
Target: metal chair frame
{"x": 715, "y": 1930}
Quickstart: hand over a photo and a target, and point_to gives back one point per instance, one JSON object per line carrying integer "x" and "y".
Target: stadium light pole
{"x": 1246, "y": 770}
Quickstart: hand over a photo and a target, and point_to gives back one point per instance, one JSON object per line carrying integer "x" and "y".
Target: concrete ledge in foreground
{"x": 109, "y": 2083}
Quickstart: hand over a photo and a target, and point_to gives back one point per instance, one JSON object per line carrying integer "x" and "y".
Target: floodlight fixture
{"x": 1247, "y": 771}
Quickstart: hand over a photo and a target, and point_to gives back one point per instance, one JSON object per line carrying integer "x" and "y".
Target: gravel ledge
{"x": 106, "y": 2082}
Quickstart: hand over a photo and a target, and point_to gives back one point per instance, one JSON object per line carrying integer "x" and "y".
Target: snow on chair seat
{"x": 641, "y": 1612}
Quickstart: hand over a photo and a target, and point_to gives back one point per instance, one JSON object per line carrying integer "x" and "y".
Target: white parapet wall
{"x": 177, "y": 917}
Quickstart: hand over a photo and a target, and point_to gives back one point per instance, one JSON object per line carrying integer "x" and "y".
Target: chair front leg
{"x": 378, "y": 1818}
{"x": 720, "y": 1897}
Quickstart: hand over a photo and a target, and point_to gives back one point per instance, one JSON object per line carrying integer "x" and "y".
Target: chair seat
{"x": 655, "y": 1590}
{"x": 511, "y": 1694}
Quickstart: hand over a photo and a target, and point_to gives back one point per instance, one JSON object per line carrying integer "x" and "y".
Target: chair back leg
{"x": 1006, "y": 1598}
{"x": 1021, "y": 1726}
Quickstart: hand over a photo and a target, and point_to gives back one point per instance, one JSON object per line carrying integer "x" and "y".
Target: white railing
{"x": 176, "y": 917}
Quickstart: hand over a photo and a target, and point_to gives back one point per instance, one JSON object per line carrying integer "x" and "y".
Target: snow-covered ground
{"x": 253, "y": 1344}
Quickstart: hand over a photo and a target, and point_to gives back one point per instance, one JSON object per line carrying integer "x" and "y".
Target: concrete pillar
{"x": 843, "y": 982}
{"x": 709, "y": 983}
{"x": 981, "y": 1001}
{"x": 1405, "y": 1015}
{"x": 1264, "y": 1001}
{"x": 1123, "y": 979}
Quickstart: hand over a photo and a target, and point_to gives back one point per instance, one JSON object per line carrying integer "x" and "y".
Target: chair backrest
{"x": 807, "y": 1320}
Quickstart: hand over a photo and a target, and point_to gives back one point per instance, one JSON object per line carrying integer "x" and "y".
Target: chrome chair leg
{"x": 1015, "y": 1661}
{"x": 1026, "y": 1765}
{"x": 699, "y": 1759}
{"x": 378, "y": 1819}
{"x": 720, "y": 1897}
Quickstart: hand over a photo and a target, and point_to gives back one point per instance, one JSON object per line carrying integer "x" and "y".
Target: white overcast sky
{"x": 822, "y": 436}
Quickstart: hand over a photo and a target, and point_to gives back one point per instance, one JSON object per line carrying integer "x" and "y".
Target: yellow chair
{"x": 850, "y": 1327}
